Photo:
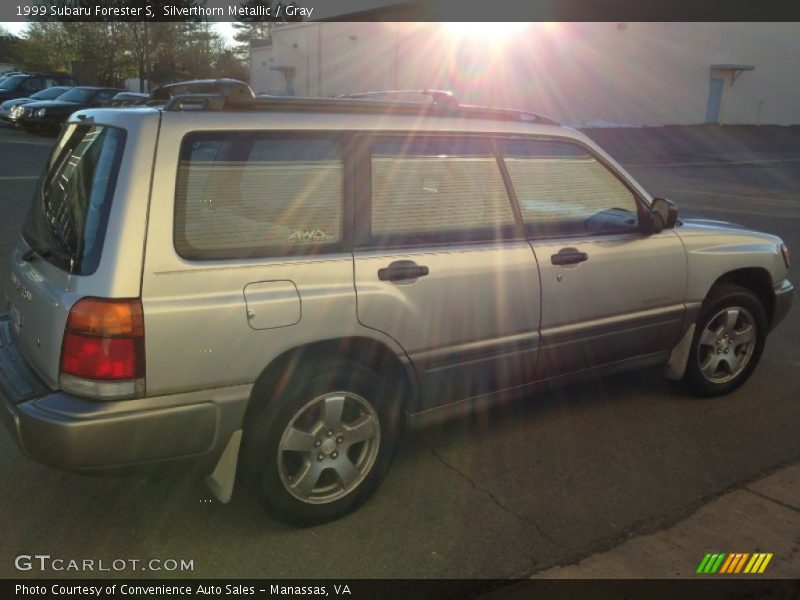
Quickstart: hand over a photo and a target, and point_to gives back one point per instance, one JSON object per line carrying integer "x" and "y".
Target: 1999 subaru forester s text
{"x": 272, "y": 288}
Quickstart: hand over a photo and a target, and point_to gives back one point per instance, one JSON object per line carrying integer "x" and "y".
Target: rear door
{"x": 442, "y": 266}
{"x": 246, "y": 250}
{"x": 611, "y": 291}
{"x": 64, "y": 238}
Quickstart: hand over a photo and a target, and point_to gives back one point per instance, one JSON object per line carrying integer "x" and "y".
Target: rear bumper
{"x": 783, "y": 302}
{"x": 76, "y": 434}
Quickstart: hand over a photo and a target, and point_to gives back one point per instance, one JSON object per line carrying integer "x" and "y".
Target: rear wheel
{"x": 728, "y": 341}
{"x": 321, "y": 448}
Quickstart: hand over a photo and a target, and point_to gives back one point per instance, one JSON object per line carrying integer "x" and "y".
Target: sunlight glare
{"x": 495, "y": 32}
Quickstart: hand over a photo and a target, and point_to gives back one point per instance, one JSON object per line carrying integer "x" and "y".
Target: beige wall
{"x": 629, "y": 73}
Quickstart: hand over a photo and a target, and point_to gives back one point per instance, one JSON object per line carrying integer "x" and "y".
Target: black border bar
{"x": 424, "y": 10}
{"x": 706, "y": 587}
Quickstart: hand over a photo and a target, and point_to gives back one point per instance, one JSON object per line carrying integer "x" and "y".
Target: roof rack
{"x": 232, "y": 94}
{"x": 438, "y": 97}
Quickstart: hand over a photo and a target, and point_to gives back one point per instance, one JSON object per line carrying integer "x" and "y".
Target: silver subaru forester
{"x": 273, "y": 288}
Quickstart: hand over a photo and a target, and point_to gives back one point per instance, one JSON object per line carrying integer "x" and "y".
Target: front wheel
{"x": 728, "y": 341}
{"x": 320, "y": 448}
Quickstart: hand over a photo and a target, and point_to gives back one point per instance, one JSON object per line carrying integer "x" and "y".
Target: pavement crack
{"x": 491, "y": 495}
{"x": 771, "y": 499}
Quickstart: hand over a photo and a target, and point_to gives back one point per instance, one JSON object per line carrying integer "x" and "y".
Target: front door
{"x": 610, "y": 291}
{"x": 714, "y": 99}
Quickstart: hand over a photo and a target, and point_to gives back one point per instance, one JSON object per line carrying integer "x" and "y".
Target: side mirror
{"x": 664, "y": 214}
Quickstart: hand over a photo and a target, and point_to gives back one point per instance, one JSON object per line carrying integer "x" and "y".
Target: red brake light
{"x": 104, "y": 340}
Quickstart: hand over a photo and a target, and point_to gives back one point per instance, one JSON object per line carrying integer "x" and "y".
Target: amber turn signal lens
{"x": 106, "y": 318}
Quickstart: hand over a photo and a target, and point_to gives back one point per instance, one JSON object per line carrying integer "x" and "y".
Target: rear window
{"x": 68, "y": 217}
{"x": 77, "y": 95}
{"x": 49, "y": 93}
{"x": 241, "y": 195}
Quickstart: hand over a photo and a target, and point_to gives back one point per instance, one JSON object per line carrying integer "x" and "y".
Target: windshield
{"x": 67, "y": 220}
{"x": 49, "y": 93}
{"x": 11, "y": 83}
{"x": 77, "y": 95}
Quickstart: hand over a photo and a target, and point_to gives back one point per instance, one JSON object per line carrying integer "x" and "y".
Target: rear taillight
{"x": 102, "y": 355}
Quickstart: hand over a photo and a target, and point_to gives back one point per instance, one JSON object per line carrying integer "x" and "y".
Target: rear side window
{"x": 33, "y": 84}
{"x": 250, "y": 195}
{"x": 562, "y": 189}
{"x": 68, "y": 217}
{"x": 434, "y": 189}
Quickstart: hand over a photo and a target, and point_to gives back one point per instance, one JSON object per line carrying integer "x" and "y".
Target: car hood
{"x": 9, "y": 104}
{"x": 701, "y": 226}
{"x": 54, "y": 104}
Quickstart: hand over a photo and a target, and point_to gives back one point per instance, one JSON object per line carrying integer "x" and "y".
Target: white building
{"x": 578, "y": 73}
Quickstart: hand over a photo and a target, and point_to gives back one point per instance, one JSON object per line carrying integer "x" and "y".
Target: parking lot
{"x": 543, "y": 481}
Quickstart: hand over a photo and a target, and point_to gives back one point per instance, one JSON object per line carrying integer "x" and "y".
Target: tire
{"x": 728, "y": 341}
{"x": 303, "y": 454}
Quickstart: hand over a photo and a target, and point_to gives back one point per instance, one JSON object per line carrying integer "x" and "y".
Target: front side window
{"x": 562, "y": 189}
{"x": 437, "y": 189}
{"x": 250, "y": 195}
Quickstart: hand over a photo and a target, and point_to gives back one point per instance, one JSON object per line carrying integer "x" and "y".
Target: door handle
{"x": 568, "y": 256}
{"x": 401, "y": 270}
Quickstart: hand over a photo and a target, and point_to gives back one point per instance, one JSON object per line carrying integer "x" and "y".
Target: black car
{"x": 48, "y": 115}
{"x": 27, "y": 84}
{"x": 9, "y": 115}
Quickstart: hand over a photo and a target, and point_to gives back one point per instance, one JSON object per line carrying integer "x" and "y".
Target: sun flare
{"x": 491, "y": 31}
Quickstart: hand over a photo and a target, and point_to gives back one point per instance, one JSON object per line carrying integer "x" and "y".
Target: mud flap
{"x": 679, "y": 358}
{"x": 221, "y": 481}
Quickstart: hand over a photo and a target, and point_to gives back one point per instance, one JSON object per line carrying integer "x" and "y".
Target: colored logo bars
{"x": 741, "y": 562}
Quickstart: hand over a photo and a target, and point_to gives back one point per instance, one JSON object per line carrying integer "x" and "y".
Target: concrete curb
{"x": 763, "y": 516}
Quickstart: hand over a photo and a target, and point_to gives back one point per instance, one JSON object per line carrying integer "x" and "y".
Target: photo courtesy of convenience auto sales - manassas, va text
{"x": 125, "y": 589}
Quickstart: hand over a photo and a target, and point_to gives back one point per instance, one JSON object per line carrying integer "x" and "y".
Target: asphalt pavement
{"x": 529, "y": 486}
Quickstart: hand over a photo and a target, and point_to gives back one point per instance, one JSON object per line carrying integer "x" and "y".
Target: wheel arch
{"x": 396, "y": 370}
{"x": 755, "y": 279}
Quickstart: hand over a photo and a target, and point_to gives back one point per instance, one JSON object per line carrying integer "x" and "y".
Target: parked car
{"x": 275, "y": 287}
{"x": 9, "y": 115}
{"x": 127, "y": 99}
{"x": 48, "y": 115}
{"x": 26, "y": 84}
{"x": 195, "y": 86}
{"x": 10, "y": 73}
